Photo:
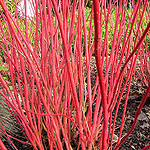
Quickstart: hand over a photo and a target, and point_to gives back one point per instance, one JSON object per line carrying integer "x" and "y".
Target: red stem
{"x": 136, "y": 117}
{"x": 98, "y": 40}
{"x": 2, "y": 146}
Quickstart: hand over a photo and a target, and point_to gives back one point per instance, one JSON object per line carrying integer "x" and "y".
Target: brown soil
{"x": 140, "y": 136}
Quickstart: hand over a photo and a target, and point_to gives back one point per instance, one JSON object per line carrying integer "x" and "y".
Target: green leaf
{"x": 3, "y": 68}
{"x": 11, "y": 88}
{"x": 5, "y": 78}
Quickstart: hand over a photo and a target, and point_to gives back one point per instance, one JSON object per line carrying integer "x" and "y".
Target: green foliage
{"x": 10, "y": 5}
{"x": 3, "y": 68}
{"x": 111, "y": 25}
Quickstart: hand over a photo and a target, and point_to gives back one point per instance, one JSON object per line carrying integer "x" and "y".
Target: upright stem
{"x": 2, "y": 146}
{"x": 98, "y": 41}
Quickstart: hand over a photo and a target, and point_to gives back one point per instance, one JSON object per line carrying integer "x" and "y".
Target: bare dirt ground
{"x": 140, "y": 136}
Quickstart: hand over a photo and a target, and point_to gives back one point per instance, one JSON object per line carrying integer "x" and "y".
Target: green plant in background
{"x": 3, "y": 68}
{"x": 10, "y": 5}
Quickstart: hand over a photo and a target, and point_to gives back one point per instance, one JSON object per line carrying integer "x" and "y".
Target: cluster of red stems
{"x": 47, "y": 56}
